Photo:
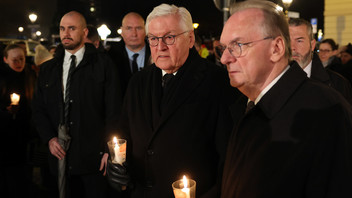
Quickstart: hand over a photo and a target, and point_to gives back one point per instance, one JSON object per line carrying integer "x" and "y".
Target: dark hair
{"x": 331, "y": 42}
{"x": 348, "y": 49}
{"x": 10, "y": 47}
{"x": 92, "y": 33}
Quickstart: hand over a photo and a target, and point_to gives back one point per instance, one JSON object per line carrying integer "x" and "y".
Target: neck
{"x": 135, "y": 48}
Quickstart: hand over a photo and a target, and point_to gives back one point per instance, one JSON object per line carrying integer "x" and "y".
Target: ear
{"x": 85, "y": 30}
{"x": 277, "y": 49}
{"x": 191, "y": 39}
{"x": 312, "y": 43}
{"x": 5, "y": 60}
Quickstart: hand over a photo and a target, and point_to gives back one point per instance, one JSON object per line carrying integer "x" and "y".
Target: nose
{"x": 293, "y": 46}
{"x": 227, "y": 58}
{"x": 161, "y": 44}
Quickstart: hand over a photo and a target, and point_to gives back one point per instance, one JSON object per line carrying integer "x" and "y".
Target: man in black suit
{"x": 175, "y": 113}
{"x": 295, "y": 138}
{"x": 122, "y": 53}
{"x": 303, "y": 45}
{"x": 77, "y": 89}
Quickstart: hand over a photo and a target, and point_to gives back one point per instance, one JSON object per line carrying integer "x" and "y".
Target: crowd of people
{"x": 264, "y": 112}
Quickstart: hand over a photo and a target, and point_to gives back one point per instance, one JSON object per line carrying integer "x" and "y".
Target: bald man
{"x": 77, "y": 89}
{"x": 122, "y": 53}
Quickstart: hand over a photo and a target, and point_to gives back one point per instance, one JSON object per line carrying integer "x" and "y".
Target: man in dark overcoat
{"x": 176, "y": 126}
{"x": 294, "y": 139}
{"x": 94, "y": 101}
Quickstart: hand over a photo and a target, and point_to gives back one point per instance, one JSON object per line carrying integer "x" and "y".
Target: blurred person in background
{"x": 303, "y": 45}
{"x": 216, "y": 55}
{"x": 132, "y": 54}
{"x": 41, "y": 55}
{"x": 15, "y": 126}
{"x": 327, "y": 53}
{"x": 94, "y": 38}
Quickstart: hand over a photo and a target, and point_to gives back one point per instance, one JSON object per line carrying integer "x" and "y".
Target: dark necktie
{"x": 134, "y": 63}
{"x": 250, "y": 106}
{"x": 166, "y": 79}
{"x": 67, "y": 90}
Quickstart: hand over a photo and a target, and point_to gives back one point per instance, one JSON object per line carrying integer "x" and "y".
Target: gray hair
{"x": 298, "y": 22}
{"x": 186, "y": 22}
{"x": 274, "y": 23}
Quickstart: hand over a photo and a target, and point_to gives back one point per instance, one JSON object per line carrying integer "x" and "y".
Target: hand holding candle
{"x": 117, "y": 148}
{"x": 184, "y": 188}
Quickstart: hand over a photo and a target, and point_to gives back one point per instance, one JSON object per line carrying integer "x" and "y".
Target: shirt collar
{"x": 270, "y": 85}
{"x": 308, "y": 69}
{"x": 79, "y": 55}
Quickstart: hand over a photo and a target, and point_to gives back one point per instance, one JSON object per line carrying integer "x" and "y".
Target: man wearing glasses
{"x": 295, "y": 141}
{"x": 175, "y": 114}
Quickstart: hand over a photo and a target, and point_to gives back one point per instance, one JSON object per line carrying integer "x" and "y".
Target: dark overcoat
{"x": 95, "y": 102}
{"x": 186, "y": 137}
{"x": 296, "y": 142}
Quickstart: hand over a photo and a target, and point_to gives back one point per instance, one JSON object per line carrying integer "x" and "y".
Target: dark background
{"x": 14, "y": 13}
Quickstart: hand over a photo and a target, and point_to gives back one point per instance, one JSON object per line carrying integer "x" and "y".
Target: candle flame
{"x": 185, "y": 182}
{"x": 116, "y": 145}
{"x": 15, "y": 98}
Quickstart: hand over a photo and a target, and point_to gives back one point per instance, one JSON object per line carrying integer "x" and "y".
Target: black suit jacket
{"x": 189, "y": 136}
{"x": 296, "y": 142}
{"x": 119, "y": 56}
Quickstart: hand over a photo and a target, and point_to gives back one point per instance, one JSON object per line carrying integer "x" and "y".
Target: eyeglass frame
{"x": 163, "y": 38}
{"x": 235, "y": 43}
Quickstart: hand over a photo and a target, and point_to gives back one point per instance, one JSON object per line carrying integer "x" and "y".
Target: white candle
{"x": 15, "y": 98}
{"x": 185, "y": 188}
{"x": 118, "y": 150}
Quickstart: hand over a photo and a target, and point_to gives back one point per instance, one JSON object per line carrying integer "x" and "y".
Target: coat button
{"x": 71, "y": 101}
{"x": 150, "y": 152}
{"x": 71, "y": 123}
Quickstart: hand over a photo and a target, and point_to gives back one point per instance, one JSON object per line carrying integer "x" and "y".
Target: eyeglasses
{"x": 324, "y": 51}
{"x": 167, "y": 39}
{"x": 235, "y": 48}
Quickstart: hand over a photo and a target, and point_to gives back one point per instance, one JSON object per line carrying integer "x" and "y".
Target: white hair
{"x": 186, "y": 22}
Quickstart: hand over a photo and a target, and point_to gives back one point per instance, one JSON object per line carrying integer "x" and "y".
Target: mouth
{"x": 67, "y": 39}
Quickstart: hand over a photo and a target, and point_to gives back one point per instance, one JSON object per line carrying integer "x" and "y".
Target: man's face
{"x": 170, "y": 57}
{"x": 72, "y": 32}
{"x": 302, "y": 46}
{"x": 325, "y": 52}
{"x": 250, "y": 71}
{"x": 133, "y": 32}
{"x": 15, "y": 59}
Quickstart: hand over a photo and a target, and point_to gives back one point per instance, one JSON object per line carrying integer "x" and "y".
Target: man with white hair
{"x": 175, "y": 113}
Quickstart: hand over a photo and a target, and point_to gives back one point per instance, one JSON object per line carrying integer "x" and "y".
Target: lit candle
{"x": 185, "y": 188}
{"x": 119, "y": 155}
{"x": 15, "y": 98}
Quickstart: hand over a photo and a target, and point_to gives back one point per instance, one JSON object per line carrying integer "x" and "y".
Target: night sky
{"x": 14, "y": 13}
